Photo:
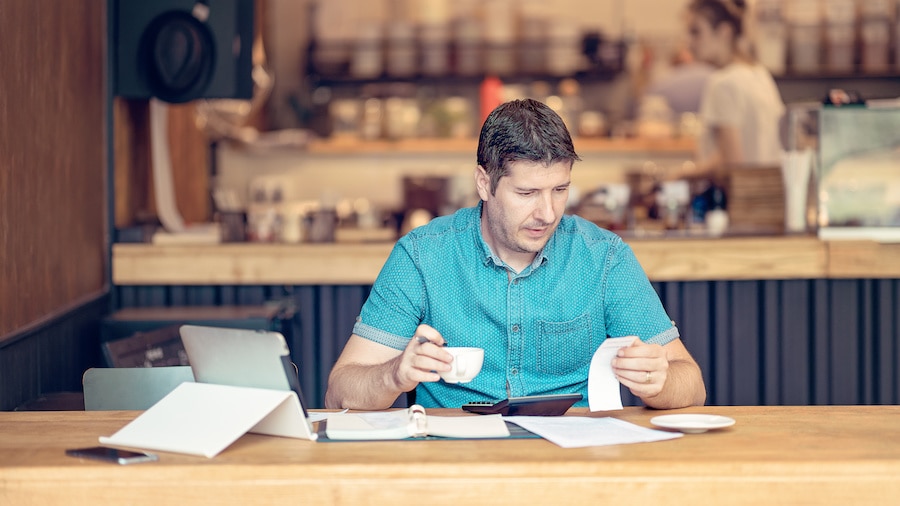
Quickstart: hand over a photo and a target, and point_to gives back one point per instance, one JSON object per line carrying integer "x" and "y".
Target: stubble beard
{"x": 515, "y": 243}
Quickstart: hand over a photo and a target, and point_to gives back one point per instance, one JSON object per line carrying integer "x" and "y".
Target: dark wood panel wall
{"x": 53, "y": 197}
{"x": 792, "y": 342}
{"x": 51, "y": 358}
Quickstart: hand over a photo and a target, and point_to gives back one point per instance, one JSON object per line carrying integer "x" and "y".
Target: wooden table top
{"x": 809, "y": 455}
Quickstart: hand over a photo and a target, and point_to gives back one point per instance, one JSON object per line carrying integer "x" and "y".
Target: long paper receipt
{"x": 604, "y": 392}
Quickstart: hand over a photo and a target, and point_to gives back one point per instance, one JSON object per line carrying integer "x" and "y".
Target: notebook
{"x": 245, "y": 382}
{"x": 412, "y": 422}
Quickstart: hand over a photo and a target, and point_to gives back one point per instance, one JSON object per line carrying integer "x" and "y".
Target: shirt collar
{"x": 487, "y": 256}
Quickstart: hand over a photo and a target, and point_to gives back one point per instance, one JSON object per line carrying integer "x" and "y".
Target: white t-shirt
{"x": 744, "y": 96}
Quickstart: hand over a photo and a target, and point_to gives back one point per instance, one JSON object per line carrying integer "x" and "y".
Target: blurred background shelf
{"x": 684, "y": 145}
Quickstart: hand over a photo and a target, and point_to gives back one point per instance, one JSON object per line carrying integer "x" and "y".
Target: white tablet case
{"x": 205, "y": 418}
{"x": 238, "y": 357}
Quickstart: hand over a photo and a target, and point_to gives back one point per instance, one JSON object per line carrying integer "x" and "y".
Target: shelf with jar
{"x": 836, "y": 76}
{"x": 595, "y": 59}
{"x": 828, "y": 39}
{"x": 521, "y": 42}
{"x": 406, "y": 117}
{"x": 405, "y": 80}
{"x": 584, "y": 145}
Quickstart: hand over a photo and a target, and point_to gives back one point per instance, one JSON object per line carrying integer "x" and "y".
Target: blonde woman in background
{"x": 741, "y": 107}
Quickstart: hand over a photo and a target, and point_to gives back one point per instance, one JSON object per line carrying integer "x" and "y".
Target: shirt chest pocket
{"x": 564, "y": 347}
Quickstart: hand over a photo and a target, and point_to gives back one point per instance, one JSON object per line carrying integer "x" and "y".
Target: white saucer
{"x": 692, "y": 424}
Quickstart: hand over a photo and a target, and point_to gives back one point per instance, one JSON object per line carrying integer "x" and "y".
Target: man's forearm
{"x": 684, "y": 387}
{"x": 356, "y": 386}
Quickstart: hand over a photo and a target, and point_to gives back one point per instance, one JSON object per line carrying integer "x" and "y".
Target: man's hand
{"x": 642, "y": 367}
{"x": 421, "y": 358}
{"x": 370, "y": 376}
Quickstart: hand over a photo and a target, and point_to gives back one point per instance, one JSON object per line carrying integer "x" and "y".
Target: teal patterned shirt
{"x": 539, "y": 328}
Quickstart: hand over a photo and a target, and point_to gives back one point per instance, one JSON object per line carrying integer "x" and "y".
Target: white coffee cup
{"x": 465, "y": 366}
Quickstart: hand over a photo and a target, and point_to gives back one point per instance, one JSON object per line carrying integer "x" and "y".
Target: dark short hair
{"x": 522, "y": 130}
{"x": 730, "y": 12}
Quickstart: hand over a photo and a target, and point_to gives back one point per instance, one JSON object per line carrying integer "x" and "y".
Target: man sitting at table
{"x": 537, "y": 289}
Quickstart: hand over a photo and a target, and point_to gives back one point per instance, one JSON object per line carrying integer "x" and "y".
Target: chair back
{"x": 130, "y": 388}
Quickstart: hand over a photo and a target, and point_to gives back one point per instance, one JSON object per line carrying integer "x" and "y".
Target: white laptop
{"x": 241, "y": 358}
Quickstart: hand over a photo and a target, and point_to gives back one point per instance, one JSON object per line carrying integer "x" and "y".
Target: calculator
{"x": 532, "y": 405}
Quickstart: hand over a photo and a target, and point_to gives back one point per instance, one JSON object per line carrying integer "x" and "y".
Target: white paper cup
{"x": 796, "y": 167}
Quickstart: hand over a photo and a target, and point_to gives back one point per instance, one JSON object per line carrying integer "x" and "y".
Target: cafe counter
{"x": 770, "y": 320}
{"x": 670, "y": 259}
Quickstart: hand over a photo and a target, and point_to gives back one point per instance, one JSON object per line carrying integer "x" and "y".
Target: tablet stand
{"x": 204, "y": 419}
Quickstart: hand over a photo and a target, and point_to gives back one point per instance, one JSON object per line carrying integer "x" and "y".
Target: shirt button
{"x": 515, "y": 327}
{"x": 514, "y": 371}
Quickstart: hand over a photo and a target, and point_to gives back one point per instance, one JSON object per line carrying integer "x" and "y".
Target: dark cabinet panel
{"x": 774, "y": 342}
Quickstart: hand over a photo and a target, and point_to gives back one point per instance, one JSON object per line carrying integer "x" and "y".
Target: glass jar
{"x": 401, "y": 49}
{"x": 467, "y": 35}
{"x": 805, "y": 36}
{"x": 499, "y": 38}
{"x": 771, "y": 36}
{"x": 435, "y": 43}
{"x": 875, "y": 35}
{"x": 367, "y": 56}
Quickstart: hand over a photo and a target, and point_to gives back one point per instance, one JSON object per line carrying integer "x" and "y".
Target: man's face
{"x": 524, "y": 211}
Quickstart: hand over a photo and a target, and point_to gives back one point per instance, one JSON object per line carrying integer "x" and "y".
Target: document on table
{"x": 581, "y": 431}
{"x": 604, "y": 391}
{"x": 318, "y": 416}
{"x": 412, "y": 422}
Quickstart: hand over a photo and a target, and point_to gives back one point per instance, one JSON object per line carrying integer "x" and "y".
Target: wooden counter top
{"x": 727, "y": 258}
{"x": 771, "y": 455}
{"x": 688, "y": 259}
{"x": 863, "y": 259}
{"x": 248, "y": 264}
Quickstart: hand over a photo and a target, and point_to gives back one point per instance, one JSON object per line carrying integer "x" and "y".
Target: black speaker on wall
{"x": 182, "y": 50}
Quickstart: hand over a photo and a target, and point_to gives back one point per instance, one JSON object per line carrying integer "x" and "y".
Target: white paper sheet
{"x": 318, "y": 416}
{"x": 604, "y": 392}
{"x": 581, "y": 431}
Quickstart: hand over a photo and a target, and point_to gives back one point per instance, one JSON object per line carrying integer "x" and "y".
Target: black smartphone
{"x": 112, "y": 455}
{"x": 534, "y": 405}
